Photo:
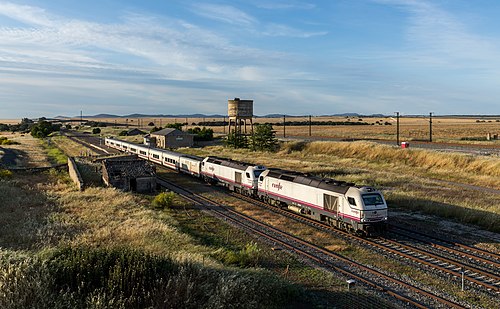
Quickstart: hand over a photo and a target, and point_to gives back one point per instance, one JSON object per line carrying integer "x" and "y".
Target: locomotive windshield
{"x": 257, "y": 173}
{"x": 372, "y": 199}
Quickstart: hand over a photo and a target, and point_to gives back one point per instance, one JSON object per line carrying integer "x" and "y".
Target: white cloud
{"x": 223, "y": 13}
{"x": 273, "y": 29}
{"x": 437, "y": 37}
{"x": 26, "y": 14}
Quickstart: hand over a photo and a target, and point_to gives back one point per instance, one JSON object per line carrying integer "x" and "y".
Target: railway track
{"x": 457, "y": 248}
{"x": 405, "y": 292}
{"x": 92, "y": 142}
{"x": 477, "y": 269}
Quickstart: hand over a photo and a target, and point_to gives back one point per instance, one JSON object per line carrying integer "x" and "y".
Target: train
{"x": 361, "y": 210}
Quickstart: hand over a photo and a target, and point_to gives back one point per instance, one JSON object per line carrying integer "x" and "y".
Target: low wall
{"x": 74, "y": 173}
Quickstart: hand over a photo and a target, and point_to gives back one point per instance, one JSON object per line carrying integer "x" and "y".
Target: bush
{"x": 249, "y": 256}
{"x": 164, "y": 200}
{"x": 202, "y": 134}
{"x": 124, "y": 278}
{"x": 6, "y": 141}
{"x": 96, "y": 131}
{"x": 123, "y": 133}
{"x": 5, "y": 174}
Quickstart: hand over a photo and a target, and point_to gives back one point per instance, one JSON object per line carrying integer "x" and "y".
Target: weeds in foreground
{"x": 163, "y": 200}
{"x": 249, "y": 256}
{"x": 124, "y": 278}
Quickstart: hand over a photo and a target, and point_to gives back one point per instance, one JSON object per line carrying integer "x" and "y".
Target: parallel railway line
{"x": 406, "y": 292}
{"x": 457, "y": 248}
{"x": 486, "y": 277}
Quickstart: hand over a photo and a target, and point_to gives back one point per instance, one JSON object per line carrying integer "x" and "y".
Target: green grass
{"x": 54, "y": 154}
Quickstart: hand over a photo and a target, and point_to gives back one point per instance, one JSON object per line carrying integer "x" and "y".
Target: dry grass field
{"x": 461, "y": 130}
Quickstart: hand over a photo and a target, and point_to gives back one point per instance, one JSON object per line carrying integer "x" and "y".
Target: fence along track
{"x": 308, "y": 250}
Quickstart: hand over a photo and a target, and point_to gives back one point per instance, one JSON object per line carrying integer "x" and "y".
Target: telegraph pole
{"x": 309, "y": 125}
{"x": 284, "y": 126}
{"x": 397, "y": 128}
{"x": 430, "y": 127}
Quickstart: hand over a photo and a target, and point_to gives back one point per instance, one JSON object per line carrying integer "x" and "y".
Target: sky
{"x": 294, "y": 57}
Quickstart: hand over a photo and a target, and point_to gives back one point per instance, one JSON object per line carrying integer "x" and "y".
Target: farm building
{"x": 172, "y": 138}
{"x": 129, "y": 174}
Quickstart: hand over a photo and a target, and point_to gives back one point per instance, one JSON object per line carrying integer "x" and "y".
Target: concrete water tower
{"x": 239, "y": 111}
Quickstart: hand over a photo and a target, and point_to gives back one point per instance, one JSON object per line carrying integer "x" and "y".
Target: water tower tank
{"x": 242, "y": 109}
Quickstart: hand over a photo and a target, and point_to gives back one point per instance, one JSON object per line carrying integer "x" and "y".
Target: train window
{"x": 156, "y": 156}
{"x": 261, "y": 178}
{"x": 142, "y": 152}
{"x": 372, "y": 199}
{"x": 352, "y": 201}
{"x": 248, "y": 175}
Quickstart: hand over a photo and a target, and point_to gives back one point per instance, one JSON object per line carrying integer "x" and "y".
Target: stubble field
{"x": 467, "y": 130}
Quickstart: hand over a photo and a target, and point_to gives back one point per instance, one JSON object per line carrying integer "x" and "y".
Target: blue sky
{"x": 295, "y": 57}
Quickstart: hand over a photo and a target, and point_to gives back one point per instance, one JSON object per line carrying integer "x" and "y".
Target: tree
{"x": 43, "y": 129}
{"x": 202, "y": 134}
{"x": 151, "y": 124}
{"x": 177, "y": 126}
{"x": 155, "y": 129}
{"x": 96, "y": 131}
{"x": 264, "y": 138}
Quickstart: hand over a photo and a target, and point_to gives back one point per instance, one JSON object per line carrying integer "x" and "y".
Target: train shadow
{"x": 11, "y": 158}
{"x": 447, "y": 221}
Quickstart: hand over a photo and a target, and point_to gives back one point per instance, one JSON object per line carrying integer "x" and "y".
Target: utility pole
{"x": 81, "y": 117}
{"x": 224, "y": 124}
{"x": 284, "y": 126}
{"x": 397, "y": 128}
{"x": 309, "y": 125}
{"x": 430, "y": 127}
